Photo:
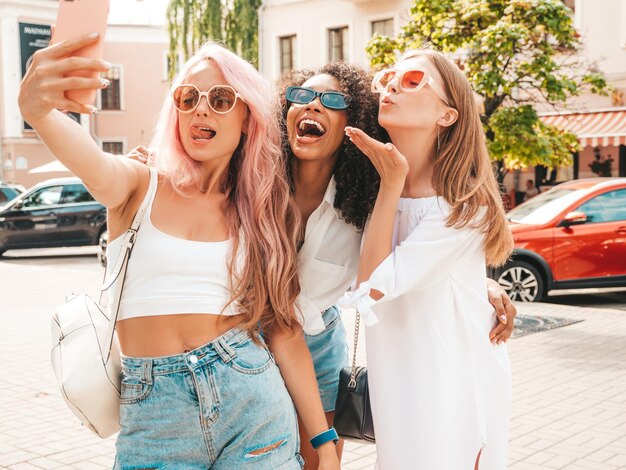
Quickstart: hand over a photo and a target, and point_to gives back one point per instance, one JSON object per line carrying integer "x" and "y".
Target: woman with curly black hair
{"x": 334, "y": 186}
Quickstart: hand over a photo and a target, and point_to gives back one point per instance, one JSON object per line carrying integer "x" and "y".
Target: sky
{"x": 144, "y": 12}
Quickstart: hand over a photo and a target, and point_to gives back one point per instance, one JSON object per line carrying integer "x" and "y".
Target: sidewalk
{"x": 569, "y": 409}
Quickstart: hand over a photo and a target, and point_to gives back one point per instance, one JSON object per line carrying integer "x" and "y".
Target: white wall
{"x": 602, "y": 25}
{"x": 310, "y": 21}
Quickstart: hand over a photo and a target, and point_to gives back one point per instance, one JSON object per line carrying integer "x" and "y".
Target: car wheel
{"x": 2, "y": 252}
{"x": 522, "y": 282}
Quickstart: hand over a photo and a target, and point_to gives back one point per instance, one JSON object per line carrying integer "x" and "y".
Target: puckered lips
{"x": 201, "y": 133}
{"x": 386, "y": 101}
{"x": 309, "y": 130}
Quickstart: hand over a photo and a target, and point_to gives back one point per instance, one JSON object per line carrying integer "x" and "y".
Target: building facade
{"x": 310, "y": 33}
{"x": 599, "y": 121}
{"x": 136, "y": 44}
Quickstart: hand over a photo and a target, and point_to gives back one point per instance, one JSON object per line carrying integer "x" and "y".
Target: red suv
{"x": 571, "y": 236}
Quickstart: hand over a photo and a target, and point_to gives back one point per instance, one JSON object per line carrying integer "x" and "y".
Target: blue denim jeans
{"x": 329, "y": 351}
{"x": 222, "y": 406}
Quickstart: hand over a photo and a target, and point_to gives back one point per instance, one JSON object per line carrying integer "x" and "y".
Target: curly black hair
{"x": 357, "y": 179}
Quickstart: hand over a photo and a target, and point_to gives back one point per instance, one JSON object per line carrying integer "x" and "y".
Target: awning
{"x": 593, "y": 128}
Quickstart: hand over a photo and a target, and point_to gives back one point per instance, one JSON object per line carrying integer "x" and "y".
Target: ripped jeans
{"x": 222, "y": 406}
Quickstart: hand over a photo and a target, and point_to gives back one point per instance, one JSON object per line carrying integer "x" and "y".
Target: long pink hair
{"x": 261, "y": 217}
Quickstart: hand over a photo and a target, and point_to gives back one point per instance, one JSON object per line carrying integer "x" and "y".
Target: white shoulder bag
{"x": 86, "y": 352}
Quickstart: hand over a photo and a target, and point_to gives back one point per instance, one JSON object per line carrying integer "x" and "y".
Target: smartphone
{"x": 77, "y": 18}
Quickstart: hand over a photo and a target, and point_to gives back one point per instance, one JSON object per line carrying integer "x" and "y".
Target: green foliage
{"x": 242, "y": 28}
{"x": 191, "y": 23}
{"x": 515, "y": 53}
{"x": 521, "y": 139}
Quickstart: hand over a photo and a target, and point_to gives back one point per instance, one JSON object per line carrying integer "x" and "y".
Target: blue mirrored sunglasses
{"x": 329, "y": 99}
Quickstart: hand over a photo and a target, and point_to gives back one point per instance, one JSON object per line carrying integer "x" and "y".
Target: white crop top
{"x": 170, "y": 275}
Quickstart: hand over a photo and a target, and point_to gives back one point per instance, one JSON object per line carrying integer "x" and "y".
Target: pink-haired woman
{"x": 213, "y": 265}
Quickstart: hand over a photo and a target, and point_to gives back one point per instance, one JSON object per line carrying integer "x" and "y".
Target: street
{"x": 592, "y": 298}
{"x": 569, "y": 409}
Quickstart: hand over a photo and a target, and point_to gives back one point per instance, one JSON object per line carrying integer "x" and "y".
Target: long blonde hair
{"x": 261, "y": 217}
{"x": 463, "y": 173}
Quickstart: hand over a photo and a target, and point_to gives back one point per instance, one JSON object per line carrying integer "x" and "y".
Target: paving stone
{"x": 569, "y": 408}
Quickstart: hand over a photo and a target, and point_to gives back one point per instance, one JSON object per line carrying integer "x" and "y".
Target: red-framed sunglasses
{"x": 409, "y": 80}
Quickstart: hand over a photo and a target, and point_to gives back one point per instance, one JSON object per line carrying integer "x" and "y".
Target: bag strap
{"x": 122, "y": 264}
{"x": 357, "y": 323}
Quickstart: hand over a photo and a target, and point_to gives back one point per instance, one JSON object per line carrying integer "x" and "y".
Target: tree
{"x": 516, "y": 54}
{"x": 191, "y": 23}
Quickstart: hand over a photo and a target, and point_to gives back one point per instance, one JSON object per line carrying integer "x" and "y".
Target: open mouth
{"x": 310, "y": 128}
{"x": 201, "y": 133}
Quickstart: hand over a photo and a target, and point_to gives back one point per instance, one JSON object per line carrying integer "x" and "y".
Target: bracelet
{"x": 324, "y": 437}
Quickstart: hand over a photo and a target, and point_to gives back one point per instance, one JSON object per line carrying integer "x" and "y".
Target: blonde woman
{"x": 440, "y": 390}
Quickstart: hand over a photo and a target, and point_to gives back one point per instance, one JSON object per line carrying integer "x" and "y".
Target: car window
{"x": 74, "y": 193}
{"x": 607, "y": 207}
{"x": 542, "y": 208}
{"x": 6, "y": 194}
{"x": 48, "y": 196}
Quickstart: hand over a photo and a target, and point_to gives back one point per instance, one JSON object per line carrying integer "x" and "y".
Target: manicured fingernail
{"x": 503, "y": 318}
{"x": 104, "y": 82}
{"x": 94, "y": 35}
{"x": 389, "y": 146}
{"x": 107, "y": 65}
{"x": 92, "y": 109}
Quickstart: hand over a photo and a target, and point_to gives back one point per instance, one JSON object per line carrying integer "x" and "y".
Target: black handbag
{"x": 353, "y": 414}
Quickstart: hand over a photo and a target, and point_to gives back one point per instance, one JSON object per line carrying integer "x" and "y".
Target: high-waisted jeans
{"x": 222, "y": 406}
{"x": 329, "y": 351}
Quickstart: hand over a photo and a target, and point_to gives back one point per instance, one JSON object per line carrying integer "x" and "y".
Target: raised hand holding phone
{"x": 44, "y": 91}
{"x": 48, "y": 79}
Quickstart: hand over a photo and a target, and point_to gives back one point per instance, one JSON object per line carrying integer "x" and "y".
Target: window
{"x": 111, "y": 96}
{"x": 49, "y": 196}
{"x": 115, "y": 147}
{"x": 338, "y": 44}
{"x": 383, "y": 27}
{"x": 607, "y": 207}
{"x": 75, "y": 193}
{"x": 287, "y": 52}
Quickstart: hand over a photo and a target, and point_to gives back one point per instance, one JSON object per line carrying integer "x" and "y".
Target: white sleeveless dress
{"x": 440, "y": 391}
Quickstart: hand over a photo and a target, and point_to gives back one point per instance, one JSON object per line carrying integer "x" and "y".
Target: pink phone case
{"x": 77, "y": 18}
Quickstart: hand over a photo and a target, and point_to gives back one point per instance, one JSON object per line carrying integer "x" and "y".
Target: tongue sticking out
{"x": 202, "y": 133}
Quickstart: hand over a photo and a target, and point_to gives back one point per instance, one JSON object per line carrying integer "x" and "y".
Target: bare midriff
{"x": 167, "y": 335}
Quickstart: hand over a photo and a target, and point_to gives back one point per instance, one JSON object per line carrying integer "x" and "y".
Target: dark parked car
{"x": 9, "y": 191}
{"x": 57, "y": 212}
{"x": 572, "y": 236}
